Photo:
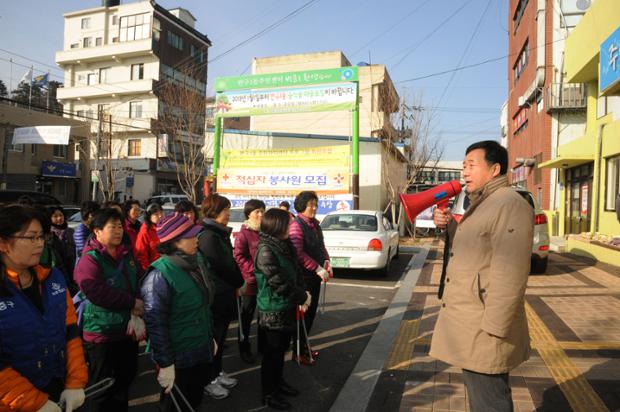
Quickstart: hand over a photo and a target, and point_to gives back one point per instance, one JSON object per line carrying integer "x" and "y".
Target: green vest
{"x": 97, "y": 319}
{"x": 190, "y": 317}
{"x": 228, "y": 258}
{"x": 266, "y": 299}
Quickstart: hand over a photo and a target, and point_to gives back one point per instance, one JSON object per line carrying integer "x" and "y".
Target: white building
{"x": 115, "y": 58}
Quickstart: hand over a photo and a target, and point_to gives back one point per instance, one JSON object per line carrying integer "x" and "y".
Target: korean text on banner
{"x": 241, "y": 103}
{"x": 285, "y": 171}
{"x": 42, "y": 135}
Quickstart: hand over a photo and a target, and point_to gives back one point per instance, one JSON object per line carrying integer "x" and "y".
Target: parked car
{"x": 70, "y": 210}
{"x": 360, "y": 239}
{"x": 540, "y": 247}
{"x": 237, "y": 217}
{"x": 13, "y": 196}
{"x": 166, "y": 200}
{"x": 74, "y": 220}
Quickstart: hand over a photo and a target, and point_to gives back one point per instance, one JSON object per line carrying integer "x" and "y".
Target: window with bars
{"x": 60, "y": 151}
{"x": 175, "y": 40}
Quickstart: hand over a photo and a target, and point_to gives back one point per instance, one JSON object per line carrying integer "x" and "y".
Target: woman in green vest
{"x": 280, "y": 291}
{"x": 177, "y": 297}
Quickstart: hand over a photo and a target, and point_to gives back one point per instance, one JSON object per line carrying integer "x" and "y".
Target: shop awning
{"x": 566, "y": 161}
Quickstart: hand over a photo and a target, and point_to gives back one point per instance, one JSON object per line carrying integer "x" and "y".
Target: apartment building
{"x": 117, "y": 60}
{"x": 542, "y": 110}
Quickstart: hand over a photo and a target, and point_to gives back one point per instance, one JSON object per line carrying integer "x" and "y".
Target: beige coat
{"x": 482, "y": 325}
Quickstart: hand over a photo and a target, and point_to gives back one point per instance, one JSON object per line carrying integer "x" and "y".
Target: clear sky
{"x": 412, "y": 38}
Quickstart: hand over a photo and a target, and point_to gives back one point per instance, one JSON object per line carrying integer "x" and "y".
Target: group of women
{"x": 175, "y": 278}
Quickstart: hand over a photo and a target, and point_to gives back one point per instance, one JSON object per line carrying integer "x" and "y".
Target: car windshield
{"x": 77, "y": 217}
{"x": 354, "y": 223}
{"x": 236, "y": 215}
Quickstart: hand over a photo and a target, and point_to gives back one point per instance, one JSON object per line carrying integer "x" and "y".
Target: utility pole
{"x": 111, "y": 183}
{"x": 97, "y": 147}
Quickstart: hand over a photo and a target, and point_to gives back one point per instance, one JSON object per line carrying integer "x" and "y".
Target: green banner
{"x": 308, "y": 77}
{"x": 326, "y": 97}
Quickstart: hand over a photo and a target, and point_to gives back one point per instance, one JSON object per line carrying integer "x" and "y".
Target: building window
{"x": 75, "y": 45}
{"x": 156, "y": 29}
{"x": 86, "y": 23}
{"x": 91, "y": 79}
{"x": 19, "y": 147}
{"x": 520, "y": 120}
{"x": 516, "y": 18}
{"x": 98, "y": 41}
{"x": 521, "y": 62}
{"x": 79, "y": 113}
{"x": 114, "y": 39}
{"x": 135, "y": 110}
{"x": 33, "y": 149}
{"x": 88, "y": 42}
{"x": 175, "y": 40}
{"x": 135, "y": 27}
{"x": 104, "y": 74}
{"x": 447, "y": 176}
{"x": 60, "y": 151}
{"x": 137, "y": 71}
{"x": 612, "y": 184}
{"x": 114, "y": 20}
{"x": 133, "y": 147}
{"x": 103, "y": 108}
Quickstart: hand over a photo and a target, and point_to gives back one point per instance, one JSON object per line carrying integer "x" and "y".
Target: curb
{"x": 357, "y": 390}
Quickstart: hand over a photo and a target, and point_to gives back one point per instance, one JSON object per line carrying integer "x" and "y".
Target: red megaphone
{"x": 414, "y": 204}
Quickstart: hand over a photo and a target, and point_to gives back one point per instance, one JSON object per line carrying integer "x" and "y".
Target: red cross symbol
{"x": 339, "y": 178}
{"x": 225, "y": 177}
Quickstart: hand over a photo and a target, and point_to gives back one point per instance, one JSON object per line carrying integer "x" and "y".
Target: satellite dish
{"x": 584, "y": 4}
{"x": 362, "y": 64}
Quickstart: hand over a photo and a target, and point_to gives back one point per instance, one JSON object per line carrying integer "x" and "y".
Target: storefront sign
{"x": 303, "y": 78}
{"x": 609, "y": 67}
{"x": 42, "y": 135}
{"x": 285, "y": 171}
{"x": 58, "y": 169}
{"x": 584, "y": 200}
{"x": 241, "y": 103}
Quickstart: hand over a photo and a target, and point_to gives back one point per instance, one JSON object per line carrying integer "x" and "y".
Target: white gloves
{"x": 307, "y": 303}
{"x": 323, "y": 273}
{"x": 49, "y": 406}
{"x": 136, "y": 328}
{"x": 72, "y": 399}
{"x": 165, "y": 377}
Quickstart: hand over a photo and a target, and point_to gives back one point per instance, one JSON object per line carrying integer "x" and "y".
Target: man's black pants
{"x": 248, "y": 309}
{"x": 118, "y": 360}
{"x": 488, "y": 392}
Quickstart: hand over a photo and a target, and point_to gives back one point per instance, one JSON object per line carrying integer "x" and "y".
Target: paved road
{"x": 356, "y": 301}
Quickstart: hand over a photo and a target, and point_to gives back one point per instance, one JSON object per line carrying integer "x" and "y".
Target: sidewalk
{"x": 574, "y": 318}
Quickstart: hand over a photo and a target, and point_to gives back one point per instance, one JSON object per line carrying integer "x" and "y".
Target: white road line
{"x": 356, "y": 285}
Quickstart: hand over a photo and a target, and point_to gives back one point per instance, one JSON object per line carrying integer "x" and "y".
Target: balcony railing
{"x": 566, "y": 96}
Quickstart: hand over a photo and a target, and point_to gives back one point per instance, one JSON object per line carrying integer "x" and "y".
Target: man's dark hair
{"x": 251, "y": 205}
{"x": 213, "y": 205}
{"x": 102, "y": 216}
{"x": 493, "y": 153}
{"x": 184, "y": 206}
{"x": 285, "y": 204}
{"x": 111, "y": 203}
{"x": 275, "y": 222}
{"x": 302, "y": 199}
{"x": 88, "y": 208}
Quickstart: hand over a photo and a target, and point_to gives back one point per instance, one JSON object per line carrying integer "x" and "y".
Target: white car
{"x": 540, "y": 247}
{"x": 360, "y": 239}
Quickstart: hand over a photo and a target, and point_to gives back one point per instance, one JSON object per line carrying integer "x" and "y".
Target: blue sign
{"x": 129, "y": 181}
{"x": 58, "y": 169}
{"x": 609, "y": 67}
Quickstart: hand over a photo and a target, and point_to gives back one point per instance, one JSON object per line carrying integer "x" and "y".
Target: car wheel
{"x": 385, "y": 271}
{"x": 539, "y": 265}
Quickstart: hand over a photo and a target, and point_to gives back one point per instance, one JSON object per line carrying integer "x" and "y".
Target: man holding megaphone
{"x": 482, "y": 326}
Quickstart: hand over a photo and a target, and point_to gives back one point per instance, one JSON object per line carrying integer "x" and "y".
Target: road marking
{"x": 355, "y": 285}
{"x": 577, "y": 390}
{"x": 357, "y": 390}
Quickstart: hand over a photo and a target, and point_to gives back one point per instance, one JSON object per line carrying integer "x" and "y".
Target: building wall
{"x": 378, "y": 98}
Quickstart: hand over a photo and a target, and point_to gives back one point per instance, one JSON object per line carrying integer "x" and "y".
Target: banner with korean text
{"x": 279, "y": 172}
{"x": 327, "y": 97}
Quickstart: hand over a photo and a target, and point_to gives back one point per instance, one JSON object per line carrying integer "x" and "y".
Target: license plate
{"x": 340, "y": 262}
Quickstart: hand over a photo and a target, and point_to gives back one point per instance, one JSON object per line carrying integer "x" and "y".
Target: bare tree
{"x": 413, "y": 130}
{"x": 183, "y": 119}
